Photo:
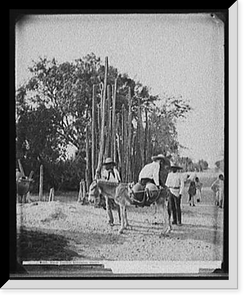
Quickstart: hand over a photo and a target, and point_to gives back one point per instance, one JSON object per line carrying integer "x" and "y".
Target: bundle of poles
{"x": 112, "y": 134}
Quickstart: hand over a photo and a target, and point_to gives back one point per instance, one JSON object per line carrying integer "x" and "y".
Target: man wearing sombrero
{"x": 151, "y": 177}
{"x": 175, "y": 184}
{"x": 109, "y": 172}
{"x": 151, "y": 172}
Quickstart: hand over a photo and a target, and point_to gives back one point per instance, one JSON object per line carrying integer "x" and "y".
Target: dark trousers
{"x": 174, "y": 208}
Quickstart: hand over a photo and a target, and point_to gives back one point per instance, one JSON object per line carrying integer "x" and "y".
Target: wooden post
{"x": 20, "y": 167}
{"x": 41, "y": 184}
{"x": 80, "y": 193}
{"x": 83, "y": 188}
{"x": 103, "y": 108}
{"x": 51, "y": 195}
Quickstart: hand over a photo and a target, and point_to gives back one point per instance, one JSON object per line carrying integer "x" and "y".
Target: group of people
{"x": 156, "y": 173}
{"x": 161, "y": 173}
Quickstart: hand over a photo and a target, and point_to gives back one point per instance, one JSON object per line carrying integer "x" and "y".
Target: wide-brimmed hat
{"x": 162, "y": 157}
{"x": 109, "y": 161}
{"x": 175, "y": 166}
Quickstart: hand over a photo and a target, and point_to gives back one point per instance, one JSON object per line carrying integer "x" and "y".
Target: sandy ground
{"x": 67, "y": 230}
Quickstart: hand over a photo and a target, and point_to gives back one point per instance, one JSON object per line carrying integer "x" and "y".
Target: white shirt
{"x": 110, "y": 176}
{"x": 175, "y": 183}
{"x": 150, "y": 171}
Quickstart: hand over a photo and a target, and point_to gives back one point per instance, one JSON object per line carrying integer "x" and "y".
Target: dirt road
{"x": 66, "y": 230}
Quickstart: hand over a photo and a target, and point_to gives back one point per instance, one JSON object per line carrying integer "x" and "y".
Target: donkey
{"x": 122, "y": 195}
{"x": 96, "y": 189}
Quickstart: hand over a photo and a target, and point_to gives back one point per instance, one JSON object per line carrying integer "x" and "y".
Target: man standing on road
{"x": 175, "y": 184}
{"x": 110, "y": 173}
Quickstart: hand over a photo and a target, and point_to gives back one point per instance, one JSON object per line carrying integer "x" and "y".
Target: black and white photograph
{"x": 121, "y": 146}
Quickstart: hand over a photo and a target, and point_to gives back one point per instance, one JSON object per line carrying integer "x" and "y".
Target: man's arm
{"x": 156, "y": 174}
{"x": 181, "y": 185}
{"x": 117, "y": 175}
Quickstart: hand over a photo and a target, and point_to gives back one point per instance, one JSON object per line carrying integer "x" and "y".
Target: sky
{"x": 172, "y": 54}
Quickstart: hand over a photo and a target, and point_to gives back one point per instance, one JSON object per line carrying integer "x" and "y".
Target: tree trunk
{"x": 41, "y": 184}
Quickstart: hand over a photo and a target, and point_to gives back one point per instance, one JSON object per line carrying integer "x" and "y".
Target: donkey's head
{"x": 93, "y": 192}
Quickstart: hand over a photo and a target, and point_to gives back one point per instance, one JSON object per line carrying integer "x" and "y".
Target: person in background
{"x": 175, "y": 184}
{"x": 198, "y": 186}
{"x": 218, "y": 188}
{"x": 192, "y": 193}
{"x": 110, "y": 173}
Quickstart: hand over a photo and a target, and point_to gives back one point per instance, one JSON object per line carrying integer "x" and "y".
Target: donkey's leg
{"x": 168, "y": 213}
{"x": 122, "y": 211}
{"x": 167, "y": 227}
{"x": 119, "y": 214}
{"x": 109, "y": 211}
{"x": 126, "y": 219}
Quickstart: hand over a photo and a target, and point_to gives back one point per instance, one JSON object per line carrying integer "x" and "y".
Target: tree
{"x": 53, "y": 110}
{"x": 163, "y": 124}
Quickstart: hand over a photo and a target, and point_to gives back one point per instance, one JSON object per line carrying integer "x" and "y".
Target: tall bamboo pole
{"x": 118, "y": 141}
{"x": 93, "y": 130}
{"x": 87, "y": 171}
{"x": 108, "y": 123}
{"x": 140, "y": 135}
{"x": 103, "y": 108}
{"x": 124, "y": 143}
{"x": 129, "y": 137}
{"x": 113, "y": 148}
{"x": 146, "y": 136}
{"x": 41, "y": 183}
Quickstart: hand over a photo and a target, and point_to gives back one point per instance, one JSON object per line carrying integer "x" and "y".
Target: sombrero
{"x": 109, "y": 161}
{"x": 162, "y": 157}
{"x": 175, "y": 166}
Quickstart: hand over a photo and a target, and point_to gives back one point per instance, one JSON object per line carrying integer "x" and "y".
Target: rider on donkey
{"x": 151, "y": 178}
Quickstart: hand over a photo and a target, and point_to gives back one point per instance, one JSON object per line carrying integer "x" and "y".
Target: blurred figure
{"x": 192, "y": 193}
{"x": 198, "y": 186}
{"x": 218, "y": 188}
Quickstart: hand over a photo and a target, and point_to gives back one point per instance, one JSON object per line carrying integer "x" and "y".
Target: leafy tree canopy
{"x": 53, "y": 109}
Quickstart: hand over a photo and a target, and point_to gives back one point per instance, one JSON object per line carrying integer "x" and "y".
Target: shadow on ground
{"x": 209, "y": 234}
{"x": 37, "y": 245}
